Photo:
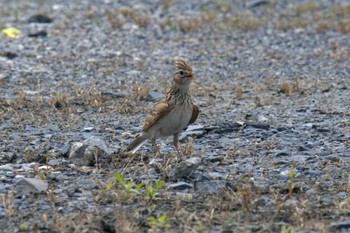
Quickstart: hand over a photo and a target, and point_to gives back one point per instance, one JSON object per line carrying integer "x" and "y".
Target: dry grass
{"x": 260, "y": 101}
{"x": 242, "y": 21}
{"x": 141, "y": 20}
{"x": 30, "y": 155}
{"x": 306, "y": 7}
{"x": 238, "y": 91}
{"x": 21, "y": 100}
{"x": 167, "y": 3}
{"x": 341, "y": 26}
{"x": 140, "y": 92}
{"x": 60, "y": 101}
{"x": 287, "y": 23}
{"x": 288, "y": 88}
{"x": 7, "y": 202}
{"x": 92, "y": 12}
{"x": 285, "y": 87}
{"x": 114, "y": 20}
{"x": 308, "y": 14}
{"x": 188, "y": 149}
{"x": 190, "y": 24}
{"x": 304, "y": 15}
{"x": 80, "y": 222}
{"x": 90, "y": 97}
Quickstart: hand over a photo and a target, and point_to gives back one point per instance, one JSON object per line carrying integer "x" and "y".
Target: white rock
{"x": 6, "y": 167}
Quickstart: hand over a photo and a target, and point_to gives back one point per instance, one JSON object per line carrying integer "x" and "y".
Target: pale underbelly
{"x": 173, "y": 123}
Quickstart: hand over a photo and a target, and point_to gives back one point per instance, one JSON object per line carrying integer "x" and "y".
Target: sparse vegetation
{"x": 160, "y": 222}
{"x": 190, "y": 24}
{"x": 291, "y": 181}
{"x": 188, "y": 149}
{"x": 114, "y": 20}
{"x": 278, "y": 69}
{"x": 286, "y": 88}
{"x": 152, "y": 189}
{"x": 129, "y": 187}
{"x": 243, "y": 21}
{"x": 7, "y": 202}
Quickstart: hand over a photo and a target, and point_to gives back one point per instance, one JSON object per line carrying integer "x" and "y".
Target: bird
{"x": 173, "y": 113}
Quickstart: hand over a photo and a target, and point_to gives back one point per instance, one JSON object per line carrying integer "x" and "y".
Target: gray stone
{"x": 155, "y": 96}
{"x": 180, "y": 186}
{"x": 133, "y": 72}
{"x": 3, "y": 187}
{"x": 213, "y": 158}
{"x": 98, "y": 142}
{"x": 77, "y": 155}
{"x": 65, "y": 150}
{"x": 210, "y": 187}
{"x": 256, "y": 3}
{"x": 342, "y": 195}
{"x": 116, "y": 94}
{"x": 30, "y": 185}
{"x": 87, "y": 184}
{"x": 265, "y": 201}
{"x": 61, "y": 177}
{"x": 53, "y": 162}
{"x": 86, "y": 153}
{"x": 192, "y": 130}
{"x": 215, "y": 175}
{"x": 185, "y": 134}
{"x": 343, "y": 226}
{"x": 194, "y": 127}
{"x": 10, "y": 174}
{"x": 311, "y": 192}
{"x": 186, "y": 168}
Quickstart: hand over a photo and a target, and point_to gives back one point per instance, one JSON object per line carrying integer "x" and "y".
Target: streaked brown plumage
{"x": 172, "y": 113}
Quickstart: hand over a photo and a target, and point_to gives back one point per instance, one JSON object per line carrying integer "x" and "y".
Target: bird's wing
{"x": 195, "y": 113}
{"x": 160, "y": 110}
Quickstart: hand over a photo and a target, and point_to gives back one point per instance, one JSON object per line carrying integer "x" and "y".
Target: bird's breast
{"x": 175, "y": 121}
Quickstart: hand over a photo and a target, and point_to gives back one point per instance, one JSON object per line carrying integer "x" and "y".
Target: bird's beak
{"x": 190, "y": 76}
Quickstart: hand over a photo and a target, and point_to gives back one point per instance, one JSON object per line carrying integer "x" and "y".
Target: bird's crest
{"x": 181, "y": 64}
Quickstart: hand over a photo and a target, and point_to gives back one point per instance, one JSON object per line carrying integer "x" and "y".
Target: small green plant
{"x": 129, "y": 187}
{"x": 23, "y": 227}
{"x": 167, "y": 3}
{"x": 289, "y": 229}
{"x": 291, "y": 180}
{"x": 164, "y": 86}
{"x": 152, "y": 188}
{"x": 160, "y": 222}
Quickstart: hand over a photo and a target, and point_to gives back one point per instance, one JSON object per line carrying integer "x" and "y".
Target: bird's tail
{"x": 137, "y": 143}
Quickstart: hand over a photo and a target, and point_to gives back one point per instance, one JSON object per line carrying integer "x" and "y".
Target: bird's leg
{"x": 153, "y": 141}
{"x": 176, "y": 142}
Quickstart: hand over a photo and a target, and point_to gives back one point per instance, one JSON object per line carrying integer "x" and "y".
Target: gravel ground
{"x": 270, "y": 151}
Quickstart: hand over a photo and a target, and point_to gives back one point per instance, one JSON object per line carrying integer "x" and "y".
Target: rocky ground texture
{"x": 270, "y": 151}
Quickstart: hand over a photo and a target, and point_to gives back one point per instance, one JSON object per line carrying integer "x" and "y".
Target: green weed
{"x": 160, "y": 222}
{"x": 129, "y": 187}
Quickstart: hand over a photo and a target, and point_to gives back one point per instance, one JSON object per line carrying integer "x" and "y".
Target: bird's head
{"x": 183, "y": 73}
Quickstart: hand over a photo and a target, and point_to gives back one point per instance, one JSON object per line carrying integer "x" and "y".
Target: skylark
{"x": 172, "y": 113}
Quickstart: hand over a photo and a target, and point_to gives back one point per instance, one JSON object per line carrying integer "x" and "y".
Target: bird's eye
{"x": 181, "y": 72}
